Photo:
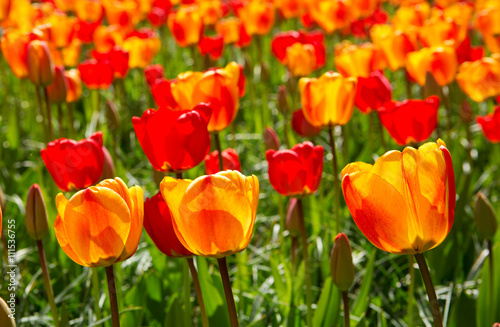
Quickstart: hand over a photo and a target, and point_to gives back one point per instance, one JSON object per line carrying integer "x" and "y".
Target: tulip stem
{"x": 307, "y": 267}
{"x": 60, "y": 119}
{"x": 429, "y": 287}
{"x": 345, "y": 300}
{"x": 199, "y": 295}
{"x": 335, "y": 179}
{"x": 115, "y": 315}
{"x": 219, "y": 151}
{"x": 409, "y": 94}
{"x": 187, "y": 294}
{"x": 71, "y": 119}
{"x": 194, "y": 56}
{"x": 49, "y": 113}
{"x": 492, "y": 276}
{"x": 48, "y": 285}
{"x": 381, "y": 128}
{"x": 445, "y": 95}
{"x": 42, "y": 112}
{"x": 411, "y": 291}
{"x": 233, "y": 317}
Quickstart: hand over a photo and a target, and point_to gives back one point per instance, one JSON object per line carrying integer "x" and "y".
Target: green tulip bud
{"x": 36, "y": 214}
{"x": 341, "y": 263}
{"x": 485, "y": 217}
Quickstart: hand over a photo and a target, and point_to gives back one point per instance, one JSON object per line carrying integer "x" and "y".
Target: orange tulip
{"x": 411, "y": 16}
{"x": 480, "y": 79}
{"x": 62, "y": 29}
{"x": 124, "y": 13}
{"x": 357, "y": 60}
{"x": 459, "y": 14}
{"x": 405, "y": 202}
{"x": 41, "y": 68}
{"x": 71, "y": 53}
{"x": 21, "y": 15}
{"x": 101, "y": 225}
{"x": 229, "y": 28}
{"x": 74, "y": 86}
{"x": 186, "y": 25}
{"x": 301, "y": 59}
{"x": 142, "y": 46}
{"x": 257, "y": 16}
{"x": 364, "y": 8}
{"x": 106, "y": 37}
{"x": 395, "y": 45}
{"x": 210, "y": 11}
{"x": 291, "y": 8}
{"x": 441, "y": 62}
{"x": 4, "y": 9}
{"x": 213, "y": 216}
{"x": 439, "y": 32}
{"x": 330, "y": 15}
{"x": 14, "y": 46}
{"x": 327, "y": 100}
{"x": 488, "y": 23}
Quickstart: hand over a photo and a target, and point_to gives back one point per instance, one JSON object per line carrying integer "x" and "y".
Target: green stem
{"x": 194, "y": 56}
{"x": 219, "y": 150}
{"x": 335, "y": 179}
{"x": 429, "y": 287}
{"x": 115, "y": 314}
{"x": 411, "y": 291}
{"x": 233, "y": 317}
{"x": 49, "y": 114}
{"x": 60, "y": 118}
{"x": 71, "y": 119}
{"x": 96, "y": 293}
{"x": 199, "y": 295}
{"x": 118, "y": 273}
{"x": 42, "y": 112}
{"x": 492, "y": 274}
{"x": 409, "y": 94}
{"x": 48, "y": 285}
{"x": 307, "y": 266}
{"x": 187, "y": 294}
{"x": 381, "y": 131}
{"x": 446, "y": 102}
{"x": 345, "y": 300}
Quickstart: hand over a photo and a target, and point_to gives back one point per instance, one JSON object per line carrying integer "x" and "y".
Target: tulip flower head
{"x": 74, "y": 165}
{"x": 301, "y": 126}
{"x": 372, "y": 92}
{"x": 330, "y": 15}
{"x": 441, "y": 62}
{"x": 36, "y": 214}
{"x": 96, "y": 74}
{"x": 213, "y": 215}
{"x": 480, "y": 79}
{"x": 159, "y": 226}
{"x": 14, "y": 45}
{"x": 410, "y": 121}
{"x": 342, "y": 267}
{"x": 156, "y": 129}
{"x": 41, "y": 69}
{"x": 154, "y": 73}
{"x": 74, "y": 85}
{"x": 485, "y": 217}
{"x": 405, "y": 202}
{"x": 101, "y": 225}
{"x": 230, "y": 161}
{"x": 357, "y": 60}
{"x": 394, "y": 44}
{"x": 257, "y": 16}
{"x": 271, "y": 139}
{"x": 212, "y": 46}
{"x": 118, "y": 59}
{"x": 490, "y": 124}
{"x": 296, "y": 172}
{"x": 186, "y": 25}
{"x": 142, "y": 46}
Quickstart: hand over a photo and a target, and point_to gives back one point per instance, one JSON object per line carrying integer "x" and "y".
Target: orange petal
{"x": 137, "y": 216}
{"x": 62, "y": 239}
{"x": 120, "y": 188}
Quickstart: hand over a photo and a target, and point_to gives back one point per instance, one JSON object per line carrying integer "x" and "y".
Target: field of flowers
{"x": 250, "y": 162}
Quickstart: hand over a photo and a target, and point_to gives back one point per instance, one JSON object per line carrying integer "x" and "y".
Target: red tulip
{"x": 162, "y": 93}
{"x": 411, "y": 120}
{"x": 174, "y": 140}
{"x": 301, "y": 126}
{"x": 96, "y": 74}
{"x": 296, "y": 172}
{"x": 490, "y": 124}
{"x": 74, "y": 165}
{"x": 154, "y": 73}
{"x": 211, "y": 45}
{"x": 372, "y": 92}
{"x": 230, "y": 161}
{"x": 466, "y": 52}
{"x": 158, "y": 224}
{"x": 117, "y": 57}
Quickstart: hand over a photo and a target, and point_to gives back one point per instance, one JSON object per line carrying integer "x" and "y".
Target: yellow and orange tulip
{"x": 411, "y": 16}
{"x": 405, "y": 202}
{"x": 357, "y": 60}
{"x": 213, "y": 215}
{"x": 41, "y": 67}
{"x": 330, "y": 15}
{"x": 301, "y": 59}
{"x": 14, "y": 44}
{"x": 186, "y": 25}
{"x": 142, "y": 46}
{"x": 101, "y": 225}
{"x": 394, "y": 44}
{"x": 257, "y": 16}
{"x": 327, "y": 100}
{"x": 480, "y": 79}
{"x": 441, "y": 62}
{"x": 62, "y": 29}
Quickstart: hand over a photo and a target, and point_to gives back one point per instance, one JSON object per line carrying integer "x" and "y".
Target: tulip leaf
{"x": 464, "y": 311}
{"x": 13, "y": 129}
{"x": 137, "y": 297}
{"x": 175, "y": 314}
{"x": 283, "y": 290}
{"x": 208, "y": 289}
{"x": 488, "y": 300}
{"x": 328, "y": 307}
{"x": 362, "y": 298}
{"x": 153, "y": 287}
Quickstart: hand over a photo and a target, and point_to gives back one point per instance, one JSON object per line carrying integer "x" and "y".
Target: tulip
{"x": 118, "y": 59}
{"x": 124, "y": 13}
{"x": 230, "y": 29}
{"x": 108, "y": 167}
{"x": 158, "y": 16}
{"x": 36, "y": 214}
{"x": 156, "y": 129}
{"x": 142, "y": 46}
{"x": 271, "y": 139}
{"x": 372, "y": 92}
{"x": 485, "y": 217}
{"x": 159, "y": 226}
{"x": 327, "y": 100}
{"x": 391, "y": 206}
{"x": 357, "y": 60}
{"x": 439, "y": 32}
{"x": 162, "y": 93}
{"x": 394, "y": 44}
{"x": 71, "y": 53}
{"x": 74, "y": 85}
{"x": 101, "y": 225}
{"x": 62, "y": 29}
{"x": 154, "y": 73}
{"x": 74, "y": 165}
{"x": 211, "y": 45}
{"x": 5, "y": 6}
{"x": 496, "y": 324}
{"x": 480, "y": 79}
{"x": 107, "y": 37}
{"x": 186, "y": 25}
{"x": 301, "y": 126}
{"x": 293, "y": 218}
{"x": 466, "y": 52}
{"x": 330, "y": 15}
{"x": 296, "y": 172}
{"x": 441, "y": 62}
{"x": 410, "y": 121}
{"x": 487, "y": 22}
{"x": 411, "y": 15}
{"x": 96, "y": 74}
{"x": 291, "y": 8}
{"x": 40, "y": 63}
{"x": 341, "y": 263}
{"x": 490, "y": 124}
{"x": 6, "y": 316}
{"x": 257, "y": 16}
{"x": 230, "y": 161}
{"x": 14, "y": 45}
{"x": 210, "y": 11}
{"x": 57, "y": 90}
{"x": 213, "y": 216}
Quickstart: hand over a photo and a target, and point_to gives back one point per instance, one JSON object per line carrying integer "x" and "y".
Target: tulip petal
{"x": 137, "y": 216}
{"x": 62, "y": 239}
{"x": 120, "y": 188}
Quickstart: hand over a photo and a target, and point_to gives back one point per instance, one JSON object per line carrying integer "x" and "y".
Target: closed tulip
{"x": 159, "y": 226}
{"x": 211, "y": 11}
{"x": 490, "y": 124}
{"x": 405, "y": 202}
{"x": 411, "y": 15}
{"x": 394, "y": 44}
{"x": 74, "y": 165}
{"x": 480, "y": 79}
{"x": 142, "y": 45}
{"x": 342, "y": 267}
{"x": 107, "y": 37}
{"x": 74, "y": 85}
{"x": 441, "y": 62}
{"x": 439, "y": 32}
{"x": 96, "y": 74}
{"x": 301, "y": 126}
{"x": 410, "y": 121}
{"x": 157, "y": 129}
{"x": 123, "y": 13}
{"x": 357, "y": 60}
{"x": 296, "y": 172}
{"x": 271, "y": 139}
{"x": 14, "y": 44}
{"x": 257, "y": 16}
{"x": 186, "y": 25}
{"x": 327, "y": 100}
{"x": 101, "y": 225}
{"x": 372, "y": 92}
{"x": 213, "y": 215}
{"x": 230, "y": 161}
{"x": 41, "y": 68}
{"x": 58, "y": 89}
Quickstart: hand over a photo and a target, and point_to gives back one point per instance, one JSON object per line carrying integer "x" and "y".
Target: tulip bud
{"x": 41, "y": 68}
{"x": 36, "y": 214}
{"x": 431, "y": 86}
{"x": 271, "y": 139}
{"x": 108, "y": 167}
{"x": 293, "y": 218}
{"x": 5, "y": 315}
{"x": 282, "y": 100}
{"x": 341, "y": 263}
{"x": 485, "y": 217}
{"x": 466, "y": 114}
{"x": 112, "y": 117}
{"x": 57, "y": 90}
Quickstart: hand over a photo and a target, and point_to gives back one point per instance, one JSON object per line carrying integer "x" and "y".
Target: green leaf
{"x": 488, "y": 300}
{"x": 328, "y": 309}
{"x": 362, "y": 298}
